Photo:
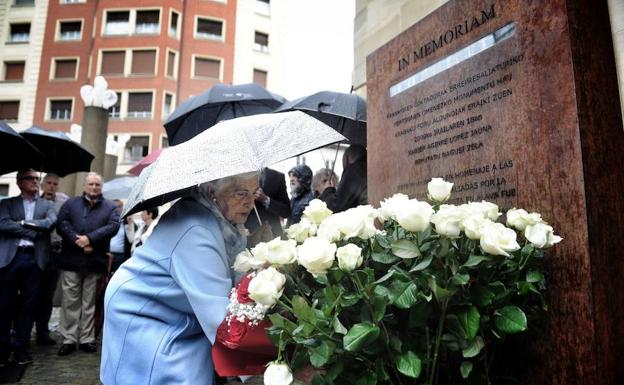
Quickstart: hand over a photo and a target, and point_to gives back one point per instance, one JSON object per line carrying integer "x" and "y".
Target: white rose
{"x": 496, "y": 239}
{"x": 329, "y": 229}
{"x": 316, "y": 255}
{"x": 349, "y": 257}
{"x": 520, "y": 219}
{"x": 439, "y": 190}
{"x": 448, "y": 220}
{"x": 278, "y": 373}
{"x": 316, "y": 211}
{"x": 473, "y": 226}
{"x": 541, "y": 235}
{"x": 358, "y": 222}
{"x": 486, "y": 209}
{"x": 281, "y": 252}
{"x": 266, "y": 287}
{"x": 414, "y": 215}
{"x": 389, "y": 207}
{"x": 242, "y": 263}
{"x": 302, "y": 230}
{"x": 260, "y": 254}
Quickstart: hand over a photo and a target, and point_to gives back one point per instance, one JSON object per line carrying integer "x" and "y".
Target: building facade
{"x": 153, "y": 54}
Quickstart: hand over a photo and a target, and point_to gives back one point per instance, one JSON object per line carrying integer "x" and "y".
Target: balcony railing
{"x": 147, "y": 28}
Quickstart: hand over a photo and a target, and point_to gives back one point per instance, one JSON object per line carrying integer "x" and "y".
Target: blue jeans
{"x": 19, "y": 284}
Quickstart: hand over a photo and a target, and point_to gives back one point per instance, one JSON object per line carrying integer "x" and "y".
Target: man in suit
{"x": 25, "y": 224}
{"x": 352, "y": 191}
{"x": 271, "y": 202}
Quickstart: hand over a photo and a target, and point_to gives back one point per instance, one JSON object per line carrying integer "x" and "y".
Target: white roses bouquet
{"x": 395, "y": 295}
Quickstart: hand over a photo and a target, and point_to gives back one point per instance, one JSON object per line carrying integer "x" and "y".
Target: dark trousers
{"x": 43, "y": 311}
{"x": 19, "y": 285}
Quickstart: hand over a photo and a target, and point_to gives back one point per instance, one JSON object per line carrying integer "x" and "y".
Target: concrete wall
{"x": 616, "y": 11}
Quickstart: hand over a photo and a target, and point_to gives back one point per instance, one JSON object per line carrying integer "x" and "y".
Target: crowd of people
{"x": 51, "y": 243}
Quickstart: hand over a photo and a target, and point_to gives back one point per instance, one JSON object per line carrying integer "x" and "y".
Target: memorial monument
{"x": 516, "y": 102}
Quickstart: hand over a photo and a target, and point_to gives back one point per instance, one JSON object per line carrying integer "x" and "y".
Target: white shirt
{"x": 29, "y": 213}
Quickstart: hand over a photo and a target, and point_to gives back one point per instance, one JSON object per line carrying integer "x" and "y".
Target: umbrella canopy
{"x": 229, "y": 148}
{"x": 346, "y": 113}
{"x": 149, "y": 159}
{"x": 118, "y": 188}
{"x": 16, "y": 152}
{"x": 62, "y": 155}
{"x": 221, "y": 102}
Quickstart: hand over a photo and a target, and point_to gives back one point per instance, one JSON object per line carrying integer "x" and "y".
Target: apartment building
{"x": 153, "y": 53}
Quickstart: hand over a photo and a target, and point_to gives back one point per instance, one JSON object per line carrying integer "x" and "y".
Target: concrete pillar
{"x": 94, "y": 133}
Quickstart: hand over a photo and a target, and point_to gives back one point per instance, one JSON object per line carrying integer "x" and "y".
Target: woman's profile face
{"x": 236, "y": 200}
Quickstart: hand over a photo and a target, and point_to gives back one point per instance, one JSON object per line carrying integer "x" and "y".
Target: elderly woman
{"x": 163, "y": 306}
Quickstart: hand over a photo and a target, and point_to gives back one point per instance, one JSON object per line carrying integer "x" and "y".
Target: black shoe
{"x": 45, "y": 340}
{"x": 89, "y": 347}
{"x": 66, "y": 349}
{"x": 22, "y": 357}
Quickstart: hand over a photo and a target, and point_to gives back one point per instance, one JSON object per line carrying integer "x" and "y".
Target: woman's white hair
{"x": 213, "y": 188}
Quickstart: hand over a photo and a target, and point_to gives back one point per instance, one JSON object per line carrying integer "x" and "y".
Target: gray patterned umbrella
{"x": 231, "y": 147}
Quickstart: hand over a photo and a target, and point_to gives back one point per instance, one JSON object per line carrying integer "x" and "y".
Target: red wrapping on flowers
{"x": 244, "y": 350}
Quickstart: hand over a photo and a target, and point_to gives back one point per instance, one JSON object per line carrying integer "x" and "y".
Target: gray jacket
{"x": 37, "y": 230}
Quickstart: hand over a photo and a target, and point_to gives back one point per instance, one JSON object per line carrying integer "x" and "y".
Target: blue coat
{"x": 164, "y": 304}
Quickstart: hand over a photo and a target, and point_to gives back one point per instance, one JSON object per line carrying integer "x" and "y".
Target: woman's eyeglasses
{"x": 241, "y": 195}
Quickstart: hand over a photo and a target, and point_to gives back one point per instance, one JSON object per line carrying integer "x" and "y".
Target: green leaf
{"x": 424, "y": 235}
{"x": 474, "y": 260}
{"x": 409, "y": 364}
{"x": 385, "y": 277}
{"x": 384, "y": 258}
{"x": 439, "y": 292}
{"x": 404, "y": 294}
{"x": 368, "y": 379}
{"x": 474, "y": 347}
{"x": 405, "y": 249}
{"x": 359, "y": 336}
{"x": 383, "y": 242}
{"x": 349, "y": 299}
{"x": 534, "y": 276}
{"x": 395, "y": 343}
{"x": 320, "y": 355}
{"x": 333, "y": 372}
{"x": 301, "y": 309}
{"x": 470, "y": 321}
{"x": 465, "y": 369}
{"x": 527, "y": 250}
{"x": 422, "y": 264}
{"x": 460, "y": 279}
{"x": 339, "y": 327}
{"x": 482, "y": 296}
{"x": 379, "y": 308}
{"x": 510, "y": 319}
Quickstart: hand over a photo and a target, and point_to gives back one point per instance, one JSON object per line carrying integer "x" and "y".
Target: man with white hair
{"x": 86, "y": 223}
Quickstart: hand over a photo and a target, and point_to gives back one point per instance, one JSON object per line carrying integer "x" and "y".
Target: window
{"x": 20, "y": 33}
{"x": 114, "y": 111}
{"x": 60, "y": 109}
{"x": 167, "y": 105}
{"x": 4, "y": 190}
{"x": 117, "y": 23}
{"x": 136, "y": 148}
{"x": 9, "y": 110}
{"x": 73, "y": 1}
{"x": 70, "y": 30}
{"x": 207, "y": 68}
{"x": 164, "y": 142}
{"x": 24, "y": 3}
{"x": 263, "y": 7}
{"x": 209, "y": 29}
{"x": 261, "y": 42}
{"x": 260, "y": 77}
{"x": 143, "y": 62}
{"x": 65, "y": 68}
{"x": 140, "y": 105}
{"x": 173, "y": 24}
{"x": 171, "y": 64}
{"x": 14, "y": 71}
{"x": 113, "y": 62}
{"x": 147, "y": 22}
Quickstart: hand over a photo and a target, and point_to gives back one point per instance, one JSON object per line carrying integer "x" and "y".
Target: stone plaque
{"x": 516, "y": 102}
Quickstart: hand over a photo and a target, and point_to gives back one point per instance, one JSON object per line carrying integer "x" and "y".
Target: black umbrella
{"x": 16, "y": 153}
{"x": 62, "y": 155}
{"x": 221, "y": 102}
{"x": 346, "y": 113}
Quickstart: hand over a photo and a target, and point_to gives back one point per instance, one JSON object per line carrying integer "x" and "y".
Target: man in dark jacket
{"x": 300, "y": 190}
{"x": 87, "y": 223}
{"x": 272, "y": 202}
{"x": 352, "y": 189}
{"x": 25, "y": 224}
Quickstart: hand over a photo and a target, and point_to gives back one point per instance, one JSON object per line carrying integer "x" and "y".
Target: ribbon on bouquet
{"x": 250, "y": 355}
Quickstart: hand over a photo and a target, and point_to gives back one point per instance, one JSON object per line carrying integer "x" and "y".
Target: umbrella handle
{"x": 257, "y": 215}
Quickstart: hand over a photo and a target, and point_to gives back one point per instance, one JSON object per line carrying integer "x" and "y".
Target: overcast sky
{"x": 321, "y": 46}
